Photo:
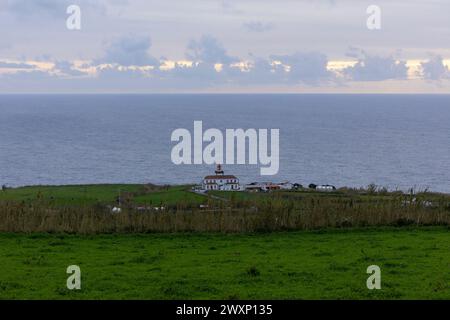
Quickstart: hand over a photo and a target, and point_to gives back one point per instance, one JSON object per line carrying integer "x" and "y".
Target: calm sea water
{"x": 398, "y": 141}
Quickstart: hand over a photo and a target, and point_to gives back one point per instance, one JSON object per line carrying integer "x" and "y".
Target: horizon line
{"x": 228, "y": 93}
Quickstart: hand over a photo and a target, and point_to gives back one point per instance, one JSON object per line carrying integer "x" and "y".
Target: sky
{"x": 225, "y": 46}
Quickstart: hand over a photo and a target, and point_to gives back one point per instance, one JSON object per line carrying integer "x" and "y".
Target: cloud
{"x": 307, "y": 67}
{"x": 230, "y": 7}
{"x": 129, "y": 51}
{"x": 434, "y": 69}
{"x": 67, "y": 68}
{"x": 200, "y": 71}
{"x": 375, "y": 68}
{"x": 209, "y": 50}
{"x": 258, "y": 26}
{"x": 116, "y": 73}
{"x": 125, "y": 66}
{"x": 259, "y": 71}
{"x": 13, "y": 65}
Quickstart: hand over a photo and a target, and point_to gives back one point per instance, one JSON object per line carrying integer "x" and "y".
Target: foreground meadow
{"x": 415, "y": 264}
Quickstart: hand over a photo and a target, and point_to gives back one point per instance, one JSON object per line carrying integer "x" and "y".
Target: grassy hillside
{"x": 75, "y": 195}
{"x": 297, "y": 265}
{"x": 87, "y": 209}
{"x": 140, "y": 194}
{"x": 119, "y": 262}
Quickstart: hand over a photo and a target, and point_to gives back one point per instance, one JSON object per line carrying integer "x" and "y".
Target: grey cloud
{"x": 12, "y": 65}
{"x": 434, "y": 69}
{"x": 66, "y": 68}
{"x": 129, "y": 51}
{"x": 355, "y": 52}
{"x": 258, "y": 26}
{"x": 376, "y": 68}
{"x": 229, "y": 6}
{"x": 199, "y": 71}
{"x": 110, "y": 73}
{"x": 261, "y": 71}
{"x": 313, "y": 22}
{"x": 208, "y": 49}
{"x": 307, "y": 67}
{"x": 200, "y": 75}
{"x": 29, "y": 75}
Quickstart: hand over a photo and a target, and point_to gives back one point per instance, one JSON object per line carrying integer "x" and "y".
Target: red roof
{"x": 218, "y": 177}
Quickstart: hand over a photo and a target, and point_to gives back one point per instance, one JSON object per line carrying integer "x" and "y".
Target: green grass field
{"x": 415, "y": 264}
{"x": 75, "y": 195}
{"x": 140, "y": 194}
{"x": 327, "y": 264}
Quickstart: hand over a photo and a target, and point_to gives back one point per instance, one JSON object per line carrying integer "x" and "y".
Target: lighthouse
{"x": 219, "y": 170}
{"x": 220, "y": 181}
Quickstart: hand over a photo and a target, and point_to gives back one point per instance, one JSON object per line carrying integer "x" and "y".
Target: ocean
{"x": 396, "y": 141}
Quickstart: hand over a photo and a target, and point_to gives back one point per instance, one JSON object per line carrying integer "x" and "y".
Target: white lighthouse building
{"x": 220, "y": 181}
